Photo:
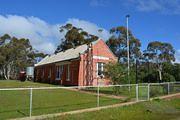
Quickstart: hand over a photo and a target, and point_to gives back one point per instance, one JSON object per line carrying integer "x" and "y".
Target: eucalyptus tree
{"x": 158, "y": 53}
{"x": 74, "y": 37}
{"x": 118, "y": 44}
{"x": 15, "y": 55}
{"x": 176, "y": 71}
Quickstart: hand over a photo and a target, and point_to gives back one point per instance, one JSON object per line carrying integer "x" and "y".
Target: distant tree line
{"x": 154, "y": 64}
{"x": 15, "y": 55}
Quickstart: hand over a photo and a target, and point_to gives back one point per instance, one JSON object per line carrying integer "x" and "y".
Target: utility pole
{"x": 136, "y": 71}
{"x": 148, "y": 72}
{"x": 127, "y": 20}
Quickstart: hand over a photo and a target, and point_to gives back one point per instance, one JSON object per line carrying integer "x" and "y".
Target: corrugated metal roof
{"x": 64, "y": 55}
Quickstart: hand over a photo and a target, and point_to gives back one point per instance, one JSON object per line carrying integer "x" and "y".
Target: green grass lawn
{"x": 15, "y": 103}
{"x": 19, "y": 84}
{"x": 154, "y": 110}
{"x": 155, "y": 90}
{"x": 123, "y": 91}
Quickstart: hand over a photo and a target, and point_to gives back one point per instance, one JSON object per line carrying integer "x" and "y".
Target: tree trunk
{"x": 4, "y": 72}
{"x": 160, "y": 72}
{"x": 9, "y": 66}
{"x": 160, "y": 75}
{"x": 7, "y": 70}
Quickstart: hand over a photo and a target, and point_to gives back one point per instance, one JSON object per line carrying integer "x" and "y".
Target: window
{"x": 42, "y": 72}
{"x": 68, "y": 73}
{"x": 49, "y": 76}
{"x": 37, "y": 72}
{"x": 59, "y": 70}
{"x": 100, "y": 68}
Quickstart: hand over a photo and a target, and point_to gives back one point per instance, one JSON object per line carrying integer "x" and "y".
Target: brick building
{"x": 80, "y": 66}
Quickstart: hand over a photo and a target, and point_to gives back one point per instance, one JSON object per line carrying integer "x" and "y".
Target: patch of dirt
{"x": 171, "y": 96}
{"x": 101, "y": 94}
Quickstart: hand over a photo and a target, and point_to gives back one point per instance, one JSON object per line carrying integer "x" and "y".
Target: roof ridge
{"x": 71, "y": 53}
{"x": 68, "y": 54}
{"x": 93, "y": 42}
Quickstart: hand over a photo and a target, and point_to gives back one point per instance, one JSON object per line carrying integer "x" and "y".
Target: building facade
{"x": 80, "y": 66}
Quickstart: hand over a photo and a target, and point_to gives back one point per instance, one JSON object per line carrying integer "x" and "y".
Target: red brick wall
{"x": 77, "y": 68}
{"x": 39, "y": 74}
{"x": 74, "y": 69}
{"x": 99, "y": 49}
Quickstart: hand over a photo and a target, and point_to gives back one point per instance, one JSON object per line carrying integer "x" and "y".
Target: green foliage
{"x": 176, "y": 71}
{"x": 116, "y": 72}
{"x": 169, "y": 72}
{"x": 163, "y": 52}
{"x": 152, "y": 77}
{"x": 15, "y": 55}
{"x": 156, "y": 91}
{"x": 159, "y": 53}
{"x": 155, "y": 62}
{"x": 132, "y": 75}
{"x": 168, "y": 78}
{"x": 74, "y": 37}
{"x": 118, "y": 44}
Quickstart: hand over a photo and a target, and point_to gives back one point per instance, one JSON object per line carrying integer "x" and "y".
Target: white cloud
{"x": 161, "y": 6}
{"x": 177, "y": 56}
{"x": 42, "y": 35}
{"x": 90, "y": 28}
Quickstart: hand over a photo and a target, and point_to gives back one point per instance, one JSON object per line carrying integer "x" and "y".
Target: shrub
{"x": 168, "y": 78}
{"x": 116, "y": 72}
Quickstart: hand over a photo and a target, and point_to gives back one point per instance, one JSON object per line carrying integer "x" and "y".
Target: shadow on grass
{"x": 19, "y": 111}
{"x": 22, "y": 113}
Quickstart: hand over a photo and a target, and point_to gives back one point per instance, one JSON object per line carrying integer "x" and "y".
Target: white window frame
{"x": 50, "y": 70}
{"x": 60, "y": 69}
{"x": 100, "y": 57}
{"x": 57, "y": 72}
{"x": 102, "y": 68}
{"x": 43, "y": 72}
{"x": 68, "y": 72}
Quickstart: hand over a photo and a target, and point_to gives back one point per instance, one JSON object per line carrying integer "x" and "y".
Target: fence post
{"x": 98, "y": 95}
{"x": 30, "y": 104}
{"x": 168, "y": 88}
{"x": 137, "y": 93}
{"x": 148, "y": 91}
{"x": 129, "y": 87}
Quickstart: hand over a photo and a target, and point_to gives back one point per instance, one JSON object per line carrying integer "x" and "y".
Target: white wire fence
{"x": 24, "y": 102}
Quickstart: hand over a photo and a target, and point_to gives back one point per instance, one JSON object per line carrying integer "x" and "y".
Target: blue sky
{"x": 39, "y": 20}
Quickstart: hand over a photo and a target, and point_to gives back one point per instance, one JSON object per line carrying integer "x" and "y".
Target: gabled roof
{"x": 64, "y": 55}
{"x": 69, "y": 54}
